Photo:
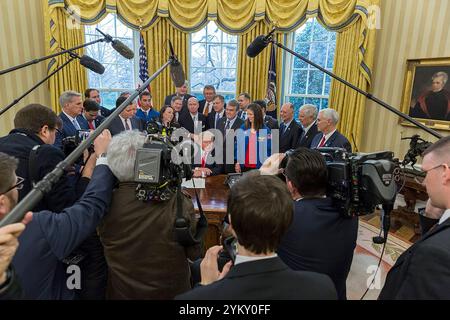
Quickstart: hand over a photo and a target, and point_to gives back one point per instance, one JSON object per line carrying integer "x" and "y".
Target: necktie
{"x": 217, "y": 119}
{"x": 283, "y": 129}
{"x": 204, "y": 159}
{"x": 322, "y": 142}
{"x": 76, "y": 125}
{"x": 206, "y": 109}
{"x": 228, "y": 125}
{"x": 127, "y": 127}
{"x": 194, "y": 119}
{"x": 91, "y": 125}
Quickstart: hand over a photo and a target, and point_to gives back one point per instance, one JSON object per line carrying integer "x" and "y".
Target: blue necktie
{"x": 76, "y": 125}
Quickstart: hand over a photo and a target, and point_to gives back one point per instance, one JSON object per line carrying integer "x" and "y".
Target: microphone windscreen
{"x": 257, "y": 46}
{"x": 177, "y": 73}
{"x": 121, "y": 48}
{"x": 92, "y": 64}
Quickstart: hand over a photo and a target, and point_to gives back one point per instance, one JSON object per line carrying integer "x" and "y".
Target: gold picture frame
{"x": 426, "y": 96}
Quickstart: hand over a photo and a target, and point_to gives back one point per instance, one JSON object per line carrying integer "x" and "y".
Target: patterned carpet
{"x": 365, "y": 261}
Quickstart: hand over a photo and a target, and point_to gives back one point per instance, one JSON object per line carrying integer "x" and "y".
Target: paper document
{"x": 198, "y": 182}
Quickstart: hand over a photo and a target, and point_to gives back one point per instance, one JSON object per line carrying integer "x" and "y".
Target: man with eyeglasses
{"x": 423, "y": 271}
{"x": 9, "y": 184}
{"x": 52, "y": 236}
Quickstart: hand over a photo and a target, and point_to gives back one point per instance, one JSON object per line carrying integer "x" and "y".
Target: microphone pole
{"x": 366, "y": 94}
{"x": 26, "y": 64}
{"x": 16, "y": 101}
{"x": 45, "y": 185}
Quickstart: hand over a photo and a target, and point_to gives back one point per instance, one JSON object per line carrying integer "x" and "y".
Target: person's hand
{"x": 202, "y": 172}
{"x": 237, "y": 167}
{"x": 9, "y": 243}
{"x": 209, "y": 268}
{"x": 271, "y": 165}
{"x": 101, "y": 143}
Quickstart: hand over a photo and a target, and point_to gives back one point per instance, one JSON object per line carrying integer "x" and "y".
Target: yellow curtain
{"x": 61, "y": 32}
{"x": 252, "y": 72}
{"x": 155, "y": 40}
{"x": 349, "y": 103}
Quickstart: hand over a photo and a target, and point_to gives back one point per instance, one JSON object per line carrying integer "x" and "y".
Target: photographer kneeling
{"x": 260, "y": 212}
{"x": 144, "y": 257}
{"x": 320, "y": 239}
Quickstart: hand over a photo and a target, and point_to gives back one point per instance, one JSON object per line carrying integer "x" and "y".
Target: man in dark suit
{"x": 126, "y": 119}
{"x": 320, "y": 239}
{"x": 72, "y": 106}
{"x": 50, "y": 237}
{"x": 258, "y": 273}
{"x": 290, "y": 130}
{"x": 269, "y": 121}
{"x": 91, "y": 114}
{"x": 95, "y": 95}
{"x": 328, "y": 136}
{"x": 205, "y": 162}
{"x": 180, "y": 92}
{"x": 227, "y": 126}
{"x": 209, "y": 92}
{"x": 244, "y": 100}
{"x": 307, "y": 116}
{"x": 422, "y": 271}
{"x": 217, "y": 113}
{"x": 193, "y": 121}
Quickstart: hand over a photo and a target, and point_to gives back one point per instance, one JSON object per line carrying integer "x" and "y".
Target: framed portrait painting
{"x": 426, "y": 93}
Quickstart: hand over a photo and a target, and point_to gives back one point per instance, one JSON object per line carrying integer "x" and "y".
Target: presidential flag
{"x": 271, "y": 93}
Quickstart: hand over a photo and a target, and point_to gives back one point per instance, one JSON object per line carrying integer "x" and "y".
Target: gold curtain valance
{"x": 234, "y": 16}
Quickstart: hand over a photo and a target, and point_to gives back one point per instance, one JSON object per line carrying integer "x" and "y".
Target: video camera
{"x": 357, "y": 183}
{"x": 156, "y": 172}
{"x": 71, "y": 143}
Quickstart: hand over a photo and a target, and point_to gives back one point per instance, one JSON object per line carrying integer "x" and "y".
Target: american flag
{"x": 143, "y": 65}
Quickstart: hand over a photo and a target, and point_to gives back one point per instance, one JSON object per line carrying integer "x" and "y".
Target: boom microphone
{"x": 88, "y": 62}
{"x": 259, "y": 44}
{"x": 176, "y": 69}
{"x": 118, "y": 45}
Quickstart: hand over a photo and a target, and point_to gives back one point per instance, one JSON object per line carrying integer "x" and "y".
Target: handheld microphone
{"x": 118, "y": 45}
{"x": 176, "y": 69}
{"x": 259, "y": 44}
{"x": 88, "y": 62}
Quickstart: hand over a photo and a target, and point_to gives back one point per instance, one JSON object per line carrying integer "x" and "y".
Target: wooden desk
{"x": 214, "y": 204}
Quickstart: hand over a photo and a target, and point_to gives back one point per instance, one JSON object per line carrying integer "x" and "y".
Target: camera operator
{"x": 260, "y": 212}
{"x": 144, "y": 257}
{"x": 9, "y": 184}
{"x": 36, "y": 126}
{"x": 50, "y": 237}
{"x": 320, "y": 239}
{"x": 422, "y": 271}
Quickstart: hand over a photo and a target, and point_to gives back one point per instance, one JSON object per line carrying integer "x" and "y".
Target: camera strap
{"x": 182, "y": 227}
{"x": 32, "y": 165}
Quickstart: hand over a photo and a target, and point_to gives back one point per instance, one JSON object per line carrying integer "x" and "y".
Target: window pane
{"x": 331, "y": 50}
{"x": 297, "y": 102}
{"x": 327, "y": 85}
{"x": 319, "y": 32}
{"x": 299, "y": 79}
{"x": 324, "y": 104}
{"x": 109, "y": 98}
{"x": 319, "y": 53}
{"x": 314, "y": 101}
{"x": 315, "y": 82}
{"x": 304, "y": 33}
{"x": 213, "y": 59}
{"x": 123, "y": 31}
{"x": 303, "y": 50}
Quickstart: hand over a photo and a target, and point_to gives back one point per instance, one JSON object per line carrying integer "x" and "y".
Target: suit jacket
{"x": 105, "y": 112}
{"x": 216, "y": 168}
{"x": 186, "y": 121}
{"x": 337, "y": 140}
{"x": 50, "y": 237}
{"x": 168, "y": 99}
{"x": 228, "y": 167}
{"x": 68, "y": 129}
{"x": 97, "y": 121}
{"x": 289, "y": 136}
{"x": 212, "y": 118}
{"x": 321, "y": 240}
{"x": 117, "y": 126}
{"x": 268, "y": 279}
{"x": 201, "y": 107}
{"x": 422, "y": 271}
{"x": 305, "y": 139}
{"x": 271, "y": 123}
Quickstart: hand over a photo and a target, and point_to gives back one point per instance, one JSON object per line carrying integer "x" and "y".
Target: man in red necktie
{"x": 328, "y": 135}
{"x": 90, "y": 113}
